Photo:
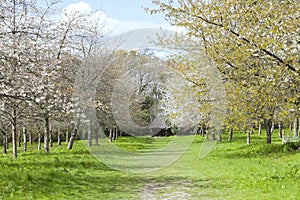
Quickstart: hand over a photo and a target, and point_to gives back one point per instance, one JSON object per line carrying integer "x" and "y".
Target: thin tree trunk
{"x": 50, "y": 136}
{"x": 85, "y": 133}
{"x": 73, "y": 135}
{"x": 96, "y": 136}
{"x": 230, "y": 134}
{"x": 268, "y": 124}
{"x": 273, "y": 127}
{"x": 25, "y": 138}
{"x": 67, "y": 135}
{"x": 207, "y": 135}
{"x": 39, "y": 140}
{"x": 4, "y": 142}
{"x": 114, "y": 134}
{"x": 81, "y": 134}
{"x": 30, "y": 137}
{"x": 219, "y": 135}
{"x": 110, "y": 135}
{"x": 248, "y": 137}
{"x": 249, "y": 133}
{"x": 296, "y": 127}
{"x": 213, "y": 135}
{"x": 58, "y": 137}
{"x": 89, "y": 132}
{"x": 14, "y": 133}
{"x": 291, "y": 127}
{"x": 202, "y": 131}
{"x": 47, "y": 134}
{"x": 50, "y": 139}
{"x": 280, "y": 129}
{"x": 19, "y": 138}
{"x": 259, "y": 128}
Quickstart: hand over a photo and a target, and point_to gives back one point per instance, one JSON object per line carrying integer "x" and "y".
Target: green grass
{"x": 233, "y": 170}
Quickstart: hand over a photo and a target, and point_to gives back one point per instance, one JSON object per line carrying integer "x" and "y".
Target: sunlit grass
{"x": 233, "y": 170}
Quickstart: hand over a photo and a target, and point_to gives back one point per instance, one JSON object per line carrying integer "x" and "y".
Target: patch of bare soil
{"x": 175, "y": 190}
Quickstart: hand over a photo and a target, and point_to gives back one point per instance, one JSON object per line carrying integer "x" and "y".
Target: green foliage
{"x": 252, "y": 45}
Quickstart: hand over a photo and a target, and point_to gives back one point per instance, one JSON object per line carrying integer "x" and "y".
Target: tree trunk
{"x": 207, "y": 135}
{"x": 202, "y": 131}
{"x": 213, "y": 136}
{"x": 30, "y": 137}
{"x": 273, "y": 127}
{"x": 296, "y": 127}
{"x": 280, "y": 129}
{"x": 259, "y": 128}
{"x": 25, "y": 138}
{"x": 230, "y": 134}
{"x": 19, "y": 138}
{"x": 249, "y": 137}
{"x": 58, "y": 137}
{"x": 86, "y": 134}
{"x": 96, "y": 136}
{"x": 268, "y": 124}
{"x": 67, "y": 135}
{"x": 73, "y": 135}
{"x": 219, "y": 135}
{"x": 4, "y": 142}
{"x": 115, "y": 134}
{"x": 81, "y": 134}
{"x": 14, "y": 133}
{"x": 50, "y": 136}
{"x": 39, "y": 140}
{"x": 291, "y": 127}
{"x": 47, "y": 134}
{"x": 110, "y": 135}
{"x": 249, "y": 133}
{"x": 50, "y": 139}
{"x": 89, "y": 132}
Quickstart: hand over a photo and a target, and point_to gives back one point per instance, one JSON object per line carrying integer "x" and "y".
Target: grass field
{"x": 232, "y": 170}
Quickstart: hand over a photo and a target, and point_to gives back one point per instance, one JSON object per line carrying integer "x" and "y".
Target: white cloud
{"x": 108, "y": 24}
{"x": 112, "y": 25}
{"x": 81, "y": 7}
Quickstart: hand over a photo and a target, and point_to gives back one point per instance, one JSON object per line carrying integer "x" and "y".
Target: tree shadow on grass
{"x": 260, "y": 150}
{"x": 57, "y": 176}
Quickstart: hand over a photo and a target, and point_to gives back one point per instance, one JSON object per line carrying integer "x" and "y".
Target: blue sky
{"x": 127, "y": 14}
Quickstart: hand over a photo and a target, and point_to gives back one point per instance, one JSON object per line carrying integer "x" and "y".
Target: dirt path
{"x": 166, "y": 190}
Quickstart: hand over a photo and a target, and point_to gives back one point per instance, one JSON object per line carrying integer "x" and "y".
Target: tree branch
{"x": 269, "y": 53}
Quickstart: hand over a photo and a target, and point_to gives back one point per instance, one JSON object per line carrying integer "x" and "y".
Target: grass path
{"x": 231, "y": 171}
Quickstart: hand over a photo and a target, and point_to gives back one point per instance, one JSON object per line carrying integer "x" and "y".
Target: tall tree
{"x": 251, "y": 42}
